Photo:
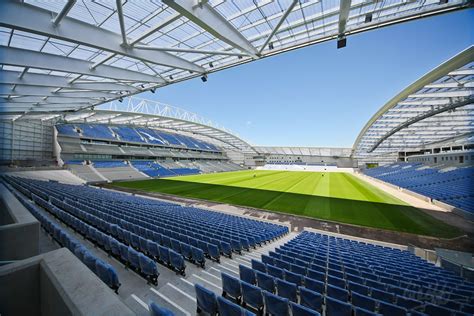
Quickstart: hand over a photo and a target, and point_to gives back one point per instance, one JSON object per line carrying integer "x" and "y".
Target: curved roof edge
{"x": 452, "y": 64}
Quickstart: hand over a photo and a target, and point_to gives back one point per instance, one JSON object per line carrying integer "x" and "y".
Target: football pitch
{"x": 340, "y": 197}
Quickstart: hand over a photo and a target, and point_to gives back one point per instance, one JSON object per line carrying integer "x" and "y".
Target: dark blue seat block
{"x": 337, "y": 293}
{"x": 287, "y": 290}
{"x": 252, "y": 296}
{"x": 275, "y": 271}
{"x": 228, "y": 308}
{"x": 259, "y": 266}
{"x": 363, "y": 301}
{"x": 311, "y": 299}
{"x": 300, "y": 310}
{"x": 153, "y": 249}
{"x": 314, "y": 285}
{"x": 156, "y": 310}
{"x": 133, "y": 258}
{"x": 198, "y": 256}
{"x": 206, "y": 300}
{"x": 231, "y": 286}
{"x": 335, "y": 307}
{"x": 214, "y": 252}
{"x": 294, "y": 278}
{"x": 186, "y": 251}
{"x": 247, "y": 274}
{"x": 391, "y": 309}
{"x": 358, "y": 311}
{"x": 177, "y": 262}
{"x": 164, "y": 254}
{"x": 266, "y": 282}
{"x": 276, "y": 305}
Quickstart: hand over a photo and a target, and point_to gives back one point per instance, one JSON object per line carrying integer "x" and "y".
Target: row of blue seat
{"x": 101, "y": 268}
{"x": 290, "y": 277}
{"x": 453, "y": 187}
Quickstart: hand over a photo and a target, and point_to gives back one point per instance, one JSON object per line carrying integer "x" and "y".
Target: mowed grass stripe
{"x": 330, "y": 196}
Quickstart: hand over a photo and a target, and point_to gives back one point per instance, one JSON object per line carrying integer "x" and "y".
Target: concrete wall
{"x": 19, "y": 230}
{"x": 55, "y": 283}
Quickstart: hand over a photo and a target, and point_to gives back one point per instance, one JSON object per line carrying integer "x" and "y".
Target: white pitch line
{"x": 233, "y": 271}
{"x": 139, "y": 301}
{"x": 212, "y": 275}
{"x": 171, "y": 302}
{"x": 208, "y": 282}
{"x": 182, "y": 292}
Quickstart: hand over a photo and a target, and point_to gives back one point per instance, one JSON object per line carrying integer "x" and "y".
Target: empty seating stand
{"x": 140, "y": 232}
{"x": 315, "y": 274}
{"x": 453, "y": 187}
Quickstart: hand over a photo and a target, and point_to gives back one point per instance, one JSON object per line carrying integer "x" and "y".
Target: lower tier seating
{"x": 315, "y": 274}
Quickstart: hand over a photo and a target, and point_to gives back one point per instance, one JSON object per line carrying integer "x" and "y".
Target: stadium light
{"x": 152, "y": 90}
{"x": 204, "y": 78}
{"x": 341, "y": 42}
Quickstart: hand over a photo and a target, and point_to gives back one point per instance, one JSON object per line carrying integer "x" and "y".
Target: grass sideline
{"x": 339, "y": 197}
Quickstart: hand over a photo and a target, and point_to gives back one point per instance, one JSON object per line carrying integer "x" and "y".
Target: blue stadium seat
{"x": 231, "y": 286}
{"x": 294, "y": 278}
{"x": 358, "y": 311}
{"x": 247, "y": 274}
{"x": 164, "y": 255}
{"x": 287, "y": 290}
{"x": 337, "y": 293}
{"x": 156, "y": 310}
{"x": 275, "y": 305}
{"x": 363, "y": 301}
{"x": 177, "y": 262}
{"x": 198, "y": 256}
{"x": 265, "y": 282}
{"x": 228, "y": 308}
{"x": 206, "y": 300}
{"x": 226, "y": 249}
{"x": 252, "y": 296}
{"x": 90, "y": 260}
{"x": 107, "y": 274}
{"x": 133, "y": 258}
{"x": 314, "y": 285}
{"x": 186, "y": 251}
{"x": 335, "y": 307}
{"x": 175, "y": 245}
{"x": 214, "y": 252}
{"x": 311, "y": 299}
{"x": 275, "y": 271}
{"x": 300, "y": 310}
{"x": 258, "y": 266}
{"x": 153, "y": 249}
{"x": 391, "y": 309}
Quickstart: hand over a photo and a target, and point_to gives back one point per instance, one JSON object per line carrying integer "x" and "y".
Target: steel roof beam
{"x": 23, "y": 90}
{"x": 212, "y": 22}
{"x": 32, "y": 19}
{"x": 40, "y": 80}
{"x": 123, "y": 30}
{"x": 55, "y": 99}
{"x": 65, "y": 10}
{"x": 344, "y": 10}
{"x": 277, "y": 27}
{"x": 420, "y": 118}
{"x": 27, "y": 58}
{"x": 187, "y": 50}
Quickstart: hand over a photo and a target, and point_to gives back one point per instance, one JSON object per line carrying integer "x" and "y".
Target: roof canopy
{"x": 59, "y": 56}
{"x": 437, "y": 107}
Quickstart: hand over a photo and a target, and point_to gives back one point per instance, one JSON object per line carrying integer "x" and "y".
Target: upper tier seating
{"x": 126, "y": 225}
{"x": 343, "y": 276}
{"x": 453, "y": 187}
{"x": 134, "y": 134}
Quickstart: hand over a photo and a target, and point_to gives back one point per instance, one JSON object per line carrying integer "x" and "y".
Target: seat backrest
{"x": 275, "y": 305}
{"x": 176, "y": 259}
{"x": 311, "y": 299}
{"x": 251, "y": 294}
{"x": 300, "y": 310}
{"x": 336, "y": 307}
{"x": 228, "y": 308}
{"x": 231, "y": 285}
{"x": 391, "y": 309}
{"x": 287, "y": 290}
{"x": 314, "y": 285}
{"x": 205, "y": 299}
{"x": 266, "y": 282}
{"x": 259, "y": 266}
{"x": 156, "y": 310}
{"x": 363, "y": 301}
{"x": 247, "y": 274}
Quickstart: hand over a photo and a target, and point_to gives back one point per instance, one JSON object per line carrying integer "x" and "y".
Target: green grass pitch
{"x": 340, "y": 197}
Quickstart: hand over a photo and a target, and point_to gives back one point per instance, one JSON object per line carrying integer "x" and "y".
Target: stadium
{"x": 114, "y": 202}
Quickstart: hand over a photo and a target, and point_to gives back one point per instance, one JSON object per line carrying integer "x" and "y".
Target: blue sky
{"x": 318, "y": 95}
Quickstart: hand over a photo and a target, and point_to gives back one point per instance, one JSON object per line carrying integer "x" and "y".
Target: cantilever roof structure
{"x": 140, "y": 112}
{"x": 64, "y": 56}
{"x": 436, "y": 107}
